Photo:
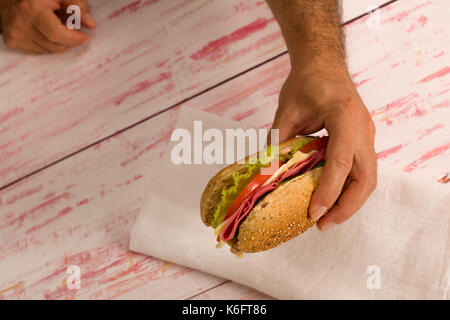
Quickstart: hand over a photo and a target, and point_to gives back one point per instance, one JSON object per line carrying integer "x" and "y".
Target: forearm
{"x": 311, "y": 30}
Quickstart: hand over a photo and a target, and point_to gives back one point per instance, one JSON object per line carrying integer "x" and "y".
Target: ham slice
{"x": 229, "y": 231}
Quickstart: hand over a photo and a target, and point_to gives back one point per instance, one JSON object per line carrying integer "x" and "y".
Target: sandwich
{"x": 252, "y": 209}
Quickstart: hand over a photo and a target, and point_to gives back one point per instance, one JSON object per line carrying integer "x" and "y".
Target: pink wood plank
{"x": 79, "y": 211}
{"x": 68, "y": 216}
{"x": 146, "y": 55}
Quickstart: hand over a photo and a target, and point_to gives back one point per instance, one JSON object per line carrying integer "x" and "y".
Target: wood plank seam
{"x": 170, "y": 107}
{"x": 144, "y": 119}
{"x": 209, "y": 289}
{"x": 367, "y": 13}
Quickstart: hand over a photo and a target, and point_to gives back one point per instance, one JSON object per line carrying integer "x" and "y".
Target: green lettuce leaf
{"x": 228, "y": 195}
{"x": 242, "y": 180}
{"x": 297, "y": 147}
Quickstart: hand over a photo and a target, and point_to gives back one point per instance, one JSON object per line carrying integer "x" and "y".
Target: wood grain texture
{"x": 146, "y": 56}
{"x": 82, "y": 215}
{"x": 80, "y": 210}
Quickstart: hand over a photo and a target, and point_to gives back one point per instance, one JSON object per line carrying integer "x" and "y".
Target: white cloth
{"x": 401, "y": 236}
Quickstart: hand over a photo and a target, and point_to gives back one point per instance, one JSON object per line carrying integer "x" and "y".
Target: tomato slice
{"x": 259, "y": 179}
{"x": 256, "y": 182}
{"x": 317, "y": 144}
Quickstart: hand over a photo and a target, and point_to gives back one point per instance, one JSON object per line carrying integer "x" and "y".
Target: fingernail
{"x": 328, "y": 226}
{"x": 90, "y": 22}
{"x": 317, "y": 212}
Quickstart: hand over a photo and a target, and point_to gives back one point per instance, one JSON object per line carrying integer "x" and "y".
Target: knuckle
{"x": 369, "y": 123}
{"x": 372, "y": 183}
{"x": 372, "y": 128}
{"x": 51, "y": 35}
{"x": 343, "y": 162}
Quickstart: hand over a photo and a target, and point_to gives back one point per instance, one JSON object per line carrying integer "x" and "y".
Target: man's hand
{"x": 314, "y": 99}
{"x": 34, "y": 26}
{"x": 319, "y": 93}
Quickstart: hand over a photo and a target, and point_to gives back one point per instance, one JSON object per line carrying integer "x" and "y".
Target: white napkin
{"x": 396, "y": 246}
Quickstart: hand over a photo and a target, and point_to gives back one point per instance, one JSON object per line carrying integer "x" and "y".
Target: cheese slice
{"x": 219, "y": 228}
{"x": 296, "y": 158}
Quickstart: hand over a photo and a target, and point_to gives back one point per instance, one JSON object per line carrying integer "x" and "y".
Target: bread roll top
{"x": 212, "y": 195}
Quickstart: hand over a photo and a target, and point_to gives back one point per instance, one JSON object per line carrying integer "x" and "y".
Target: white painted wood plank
{"x": 144, "y": 57}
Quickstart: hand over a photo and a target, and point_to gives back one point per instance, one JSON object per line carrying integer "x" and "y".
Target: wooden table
{"x": 80, "y": 132}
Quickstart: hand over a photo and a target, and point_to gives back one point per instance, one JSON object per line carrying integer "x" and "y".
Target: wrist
{"x": 319, "y": 61}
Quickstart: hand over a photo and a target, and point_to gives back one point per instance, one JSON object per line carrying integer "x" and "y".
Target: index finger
{"x": 364, "y": 180}
{"x": 52, "y": 28}
{"x": 339, "y": 159}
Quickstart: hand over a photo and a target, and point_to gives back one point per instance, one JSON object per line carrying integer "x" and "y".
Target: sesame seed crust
{"x": 280, "y": 216}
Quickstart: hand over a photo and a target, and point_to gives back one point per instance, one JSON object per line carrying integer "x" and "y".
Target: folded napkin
{"x": 396, "y": 246}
